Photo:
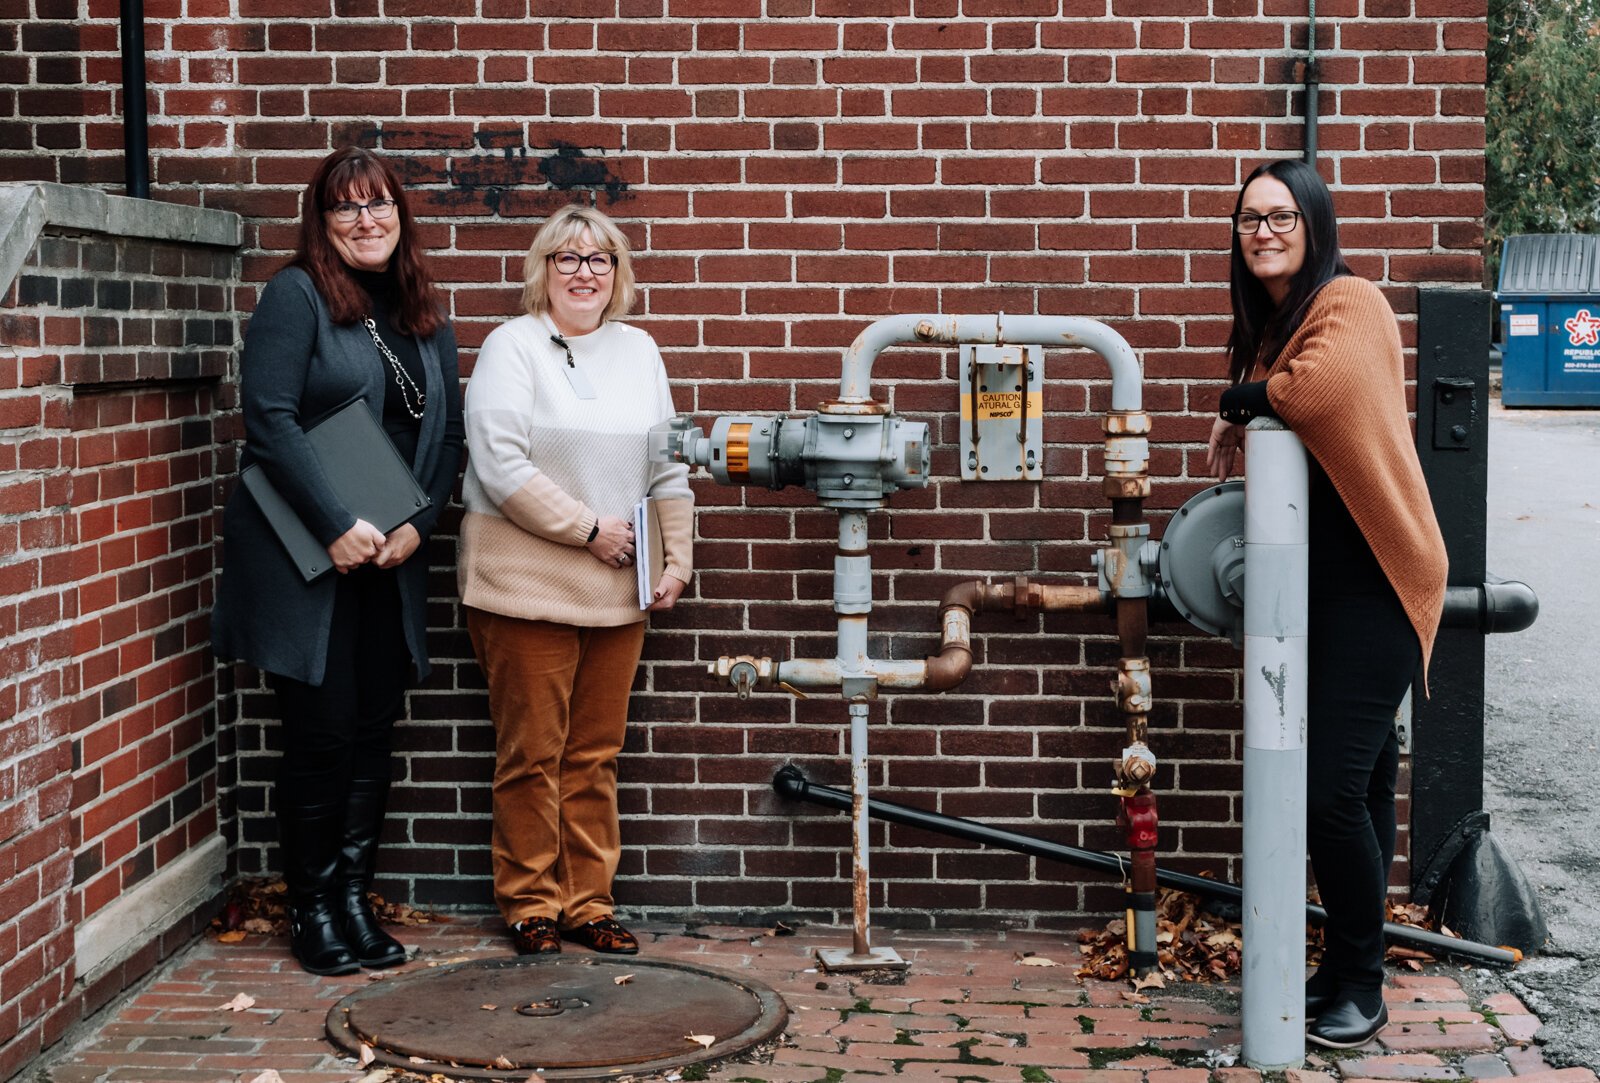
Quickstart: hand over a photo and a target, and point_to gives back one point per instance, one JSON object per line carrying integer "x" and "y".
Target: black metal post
{"x": 1458, "y": 869}
{"x": 135, "y": 131}
{"x": 1453, "y": 445}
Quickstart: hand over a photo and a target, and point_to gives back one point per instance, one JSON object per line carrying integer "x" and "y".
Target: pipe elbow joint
{"x": 948, "y": 668}
{"x": 968, "y": 596}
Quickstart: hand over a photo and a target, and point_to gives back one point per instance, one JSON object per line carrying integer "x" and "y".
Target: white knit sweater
{"x": 544, "y": 465}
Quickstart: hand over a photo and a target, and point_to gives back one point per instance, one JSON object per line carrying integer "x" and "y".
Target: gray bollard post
{"x": 1275, "y": 624}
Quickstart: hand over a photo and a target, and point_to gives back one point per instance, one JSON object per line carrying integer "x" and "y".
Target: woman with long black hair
{"x": 1319, "y": 348}
{"x": 354, "y": 316}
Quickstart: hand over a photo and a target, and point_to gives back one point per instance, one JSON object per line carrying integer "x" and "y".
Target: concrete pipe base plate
{"x": 568, "y": 1017}
{"x": 845, "y": 960}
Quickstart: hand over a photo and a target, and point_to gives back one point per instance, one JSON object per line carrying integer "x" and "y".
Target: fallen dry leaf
{"x": 780, "y": 929}
{"x": 382, "y": 1075}
{"x": 238, "y": 1004}
{"x": 501, "y": 1062}
{"x": 622, "y": 979}
{"x": 1135, "y": 998}
{"x": 268, "y": 1076}
{"x": 701, "y": 1039}
{"x": 1195, "y": 945}
{"x": 258, "y": 925}
{"x": 418, "y": 1060}
{"x": 1036, "y": 960}
{"x": 1153, "y": 980}
{"x": 488, "y": 1007}
{"x": 366, "y": 1056}
{"x": 233, "y": 937}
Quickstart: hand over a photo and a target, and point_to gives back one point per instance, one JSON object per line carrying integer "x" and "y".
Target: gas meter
{"x": 851, "y": 455}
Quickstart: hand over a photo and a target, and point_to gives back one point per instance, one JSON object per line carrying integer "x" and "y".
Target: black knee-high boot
{"x": 358, "y": 856}
{"x": 309, "y": 834}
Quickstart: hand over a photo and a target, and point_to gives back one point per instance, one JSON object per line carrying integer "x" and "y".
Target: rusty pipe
{"x": 1022, "y": 595}
{"x": 951, "y": 665}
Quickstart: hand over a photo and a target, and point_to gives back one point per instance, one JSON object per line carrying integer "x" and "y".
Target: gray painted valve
{"x": 850, "y": 455}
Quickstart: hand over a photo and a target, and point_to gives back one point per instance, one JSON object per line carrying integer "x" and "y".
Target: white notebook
{"x": 649, "y": 562}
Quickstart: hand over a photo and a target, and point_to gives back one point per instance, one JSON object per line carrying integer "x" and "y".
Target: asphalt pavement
{"x": 1543, "y": 707}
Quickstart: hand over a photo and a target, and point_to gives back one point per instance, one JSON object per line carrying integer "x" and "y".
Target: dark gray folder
{"x": 365, "y": 472}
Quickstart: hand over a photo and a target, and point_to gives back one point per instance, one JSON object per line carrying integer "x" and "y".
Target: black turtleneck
{"x": 382, "y": 288}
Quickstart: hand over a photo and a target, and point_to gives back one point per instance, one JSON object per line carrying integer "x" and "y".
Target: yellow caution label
{"x": 1001, "y": 405}
{"x": 739, "y": 452}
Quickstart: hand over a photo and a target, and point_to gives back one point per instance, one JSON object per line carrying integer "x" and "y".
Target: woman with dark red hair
{"x": 354, "y": 316}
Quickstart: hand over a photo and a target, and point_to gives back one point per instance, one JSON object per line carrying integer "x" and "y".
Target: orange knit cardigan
{"x": 1339, "y": 383}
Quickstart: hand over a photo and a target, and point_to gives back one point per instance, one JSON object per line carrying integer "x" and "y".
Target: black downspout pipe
{"x": 135, "y": 132}
{"x": 1311, "y": 109}
{"x": 1311, "y": 81}
{"x": 791, "y": 782}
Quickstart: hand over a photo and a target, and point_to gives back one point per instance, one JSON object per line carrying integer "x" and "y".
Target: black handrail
{"x": 792, "y": 783}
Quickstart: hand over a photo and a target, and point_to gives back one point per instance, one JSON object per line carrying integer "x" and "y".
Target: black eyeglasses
{"x": 1277, "y": 221}
{"x": 348, "y": 211}
{"x": 600, "y": 263}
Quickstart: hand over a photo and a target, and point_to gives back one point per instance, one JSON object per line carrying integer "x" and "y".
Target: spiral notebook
{"x": 365, "y": 472}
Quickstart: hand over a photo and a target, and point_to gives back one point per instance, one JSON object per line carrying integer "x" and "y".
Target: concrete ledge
{"x": 22, "y": 219}
{"x": 128, "y": 924}
{"x": 26, "y": 210}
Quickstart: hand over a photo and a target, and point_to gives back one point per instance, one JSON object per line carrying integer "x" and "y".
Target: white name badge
{"x": 580, "y": 383}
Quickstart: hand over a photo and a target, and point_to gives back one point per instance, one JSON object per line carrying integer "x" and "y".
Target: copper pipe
{"x": 951, "y": 665}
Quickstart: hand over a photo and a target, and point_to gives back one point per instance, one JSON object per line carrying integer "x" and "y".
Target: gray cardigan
{"x": 298, "y": 365}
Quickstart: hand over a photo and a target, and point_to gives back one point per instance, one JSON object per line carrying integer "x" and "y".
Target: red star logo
{"x": 1583, "y": 329}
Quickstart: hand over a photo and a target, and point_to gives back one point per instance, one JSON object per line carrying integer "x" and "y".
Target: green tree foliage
{"x": 1543, "y": 149}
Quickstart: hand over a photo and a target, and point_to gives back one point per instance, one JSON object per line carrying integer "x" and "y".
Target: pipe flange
{"x": 1125, "y": 423}
{"x": 851, "y": 407}
{"x": 1126, "y": 488}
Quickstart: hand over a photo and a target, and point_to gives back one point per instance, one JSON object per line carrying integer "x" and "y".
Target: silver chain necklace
{"x": 402, "y": 378}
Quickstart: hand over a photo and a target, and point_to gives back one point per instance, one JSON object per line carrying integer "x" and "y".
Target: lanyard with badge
{"x": 581, "y": 387}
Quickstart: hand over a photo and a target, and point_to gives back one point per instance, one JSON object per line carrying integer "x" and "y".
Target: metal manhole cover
{"x": 564, "y": 1015}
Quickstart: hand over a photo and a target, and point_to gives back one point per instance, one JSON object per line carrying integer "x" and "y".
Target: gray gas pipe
{"x": 854, "y": 454}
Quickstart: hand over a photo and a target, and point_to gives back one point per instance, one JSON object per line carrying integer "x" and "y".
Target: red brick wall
{"x": 789, "y": 171}
{"x": 111, "y": 375}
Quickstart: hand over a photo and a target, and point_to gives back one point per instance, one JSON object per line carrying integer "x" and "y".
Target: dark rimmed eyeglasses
{"x": 348, "y": 211}
{"x": 1277, "y": 222}
{"x": 600, "y": 263}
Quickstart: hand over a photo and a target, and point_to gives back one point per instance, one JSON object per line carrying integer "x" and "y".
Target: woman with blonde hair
{"x": 557, "y": 414}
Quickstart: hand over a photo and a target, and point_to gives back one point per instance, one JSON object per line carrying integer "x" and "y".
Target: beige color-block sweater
{"x": 544, "y": 465}
{"x": 1339, "y": 383}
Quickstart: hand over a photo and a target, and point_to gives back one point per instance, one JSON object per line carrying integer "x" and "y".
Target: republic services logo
{"x": 1583, "y": 329}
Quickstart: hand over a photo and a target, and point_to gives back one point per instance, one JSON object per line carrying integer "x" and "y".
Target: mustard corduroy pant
{"x": 558, "y": 695}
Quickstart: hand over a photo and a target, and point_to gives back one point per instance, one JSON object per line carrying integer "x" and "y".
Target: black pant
{"x": 340, "y": 730}
{"x": 1363, "y": 656}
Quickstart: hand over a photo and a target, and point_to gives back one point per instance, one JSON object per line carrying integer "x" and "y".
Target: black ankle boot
{"x": 363, "y": 822}
{"x": 1348, "y": 1023}
{"x": 1321, "y": 992}
{"x": 309, "y": 836}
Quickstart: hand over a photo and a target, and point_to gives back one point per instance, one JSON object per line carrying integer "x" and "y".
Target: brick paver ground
{"x": 969, "y": 1009}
